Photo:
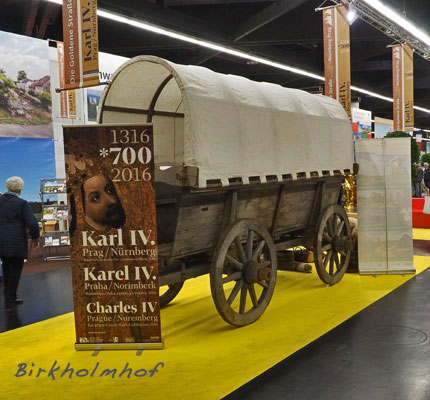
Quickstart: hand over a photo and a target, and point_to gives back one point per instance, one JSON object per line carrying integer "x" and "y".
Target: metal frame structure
{"x": 378, "y": 21}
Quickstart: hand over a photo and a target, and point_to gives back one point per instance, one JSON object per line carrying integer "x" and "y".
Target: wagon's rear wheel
{"x": 166, "y": 296}
{"x": 333, "y": 244}
{"x": 243, "y": 272}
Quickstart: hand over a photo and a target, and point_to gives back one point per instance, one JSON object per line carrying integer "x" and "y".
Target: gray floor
{"x": 46, "y": 295}
{"x": 381, "y": 353}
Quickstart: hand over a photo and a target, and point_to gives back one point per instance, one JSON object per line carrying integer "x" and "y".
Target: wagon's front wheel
{"x": 243, "y": 272}
{"x": 333, "y": 244}
{"x": 169, "y": 293}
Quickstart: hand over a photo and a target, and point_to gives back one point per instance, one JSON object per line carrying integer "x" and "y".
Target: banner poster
{"x": 398, "y": 88}
{"x": 67, "y": 98}
{"x": 25, "y": 80}
{"x": 113, "y": 235}
{"x": 337, "y": 68}
{"x": 403, "y": 87}
{"x": 419, "y": 139}
{"x": 382, "y": 127}
{"x": 80, "y": 35}
{"x": 361, "y": 123}
{"x": 408, "y": 73}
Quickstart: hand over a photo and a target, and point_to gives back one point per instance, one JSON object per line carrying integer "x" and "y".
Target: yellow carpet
{"x": 421, "y": 234}
{"x": 204, "y": 358}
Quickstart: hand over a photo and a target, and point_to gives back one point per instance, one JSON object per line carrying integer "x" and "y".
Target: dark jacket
{"x": 420, "y": 174}
{"x": 16, "y": 216}
{"x": 427, "y": 177}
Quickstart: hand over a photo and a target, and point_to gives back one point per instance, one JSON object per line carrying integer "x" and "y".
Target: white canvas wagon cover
{"x": 227, "y": 126}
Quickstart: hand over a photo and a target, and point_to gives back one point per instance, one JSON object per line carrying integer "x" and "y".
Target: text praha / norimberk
{"x": 140, "y": 273}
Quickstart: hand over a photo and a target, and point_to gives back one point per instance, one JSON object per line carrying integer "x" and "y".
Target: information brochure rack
{"x": 55, "y": 230}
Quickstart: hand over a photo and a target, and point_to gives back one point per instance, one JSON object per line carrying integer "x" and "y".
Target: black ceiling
{"x": 287, "y": 31}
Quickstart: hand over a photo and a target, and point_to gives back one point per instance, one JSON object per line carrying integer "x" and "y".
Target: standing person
{"x": 418, "y": 180}
{"x": 16, "y": 216}
{"x": 427, "y": 177}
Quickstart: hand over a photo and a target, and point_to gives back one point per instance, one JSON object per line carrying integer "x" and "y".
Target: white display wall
{"x": 384, "y": 206}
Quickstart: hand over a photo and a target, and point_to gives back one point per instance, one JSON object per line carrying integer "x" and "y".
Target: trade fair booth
{"x": 200, "y": 229}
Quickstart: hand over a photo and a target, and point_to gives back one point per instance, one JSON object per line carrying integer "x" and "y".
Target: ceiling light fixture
{"x": 422, "y": 109}
{"x": 352, "y": 16}
{"x": 175, "y": 35}
{"x": 368, "y": 92}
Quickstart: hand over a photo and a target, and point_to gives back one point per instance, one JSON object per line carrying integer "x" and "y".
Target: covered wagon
{"x": 243, "y": 169}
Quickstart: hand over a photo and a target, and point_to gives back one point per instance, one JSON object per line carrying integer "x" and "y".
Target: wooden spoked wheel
{"x": 333, "y": 244}
{"x": 168, "y": 293}
{"x": 243, "y": 272}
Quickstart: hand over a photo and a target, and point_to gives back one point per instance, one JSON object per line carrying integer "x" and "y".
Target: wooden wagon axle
{"x": 254, "y": 272}
{"x": 342, "y": 244}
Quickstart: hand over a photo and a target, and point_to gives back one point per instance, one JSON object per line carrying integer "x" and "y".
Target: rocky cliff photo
{"x": 25, "y": 106}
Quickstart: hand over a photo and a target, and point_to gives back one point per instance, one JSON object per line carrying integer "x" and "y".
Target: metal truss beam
{"x": 378, "y": 21}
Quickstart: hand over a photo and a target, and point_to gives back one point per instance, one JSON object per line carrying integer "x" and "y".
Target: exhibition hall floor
{"x": 348, "y": 341}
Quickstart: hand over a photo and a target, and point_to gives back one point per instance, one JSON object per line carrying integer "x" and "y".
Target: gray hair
{"x": 14, "y": 184}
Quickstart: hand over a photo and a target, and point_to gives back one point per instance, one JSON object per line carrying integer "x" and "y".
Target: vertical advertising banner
{"x": 330, "y": 70}
{"x": 419, "y": 139}
{"x": 337, "y": 69}
{"x": 408, "y": 73}
{"x": 67, "y": 98}
{"x": 80, "y": 35}
{"x": 113, "y": 236}
{"x": 399, "y": 124}
{"x": 403, "y": 87}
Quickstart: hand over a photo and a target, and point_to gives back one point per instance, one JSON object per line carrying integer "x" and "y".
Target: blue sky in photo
{"x": 31, "y": 159}
{"x": 23, "y": 53}
{"x": 381, "y": 130}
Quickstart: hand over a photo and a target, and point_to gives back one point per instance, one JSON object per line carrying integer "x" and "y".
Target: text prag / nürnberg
{"x": 140, "y": 277}
{"x": 92, "y": 243}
